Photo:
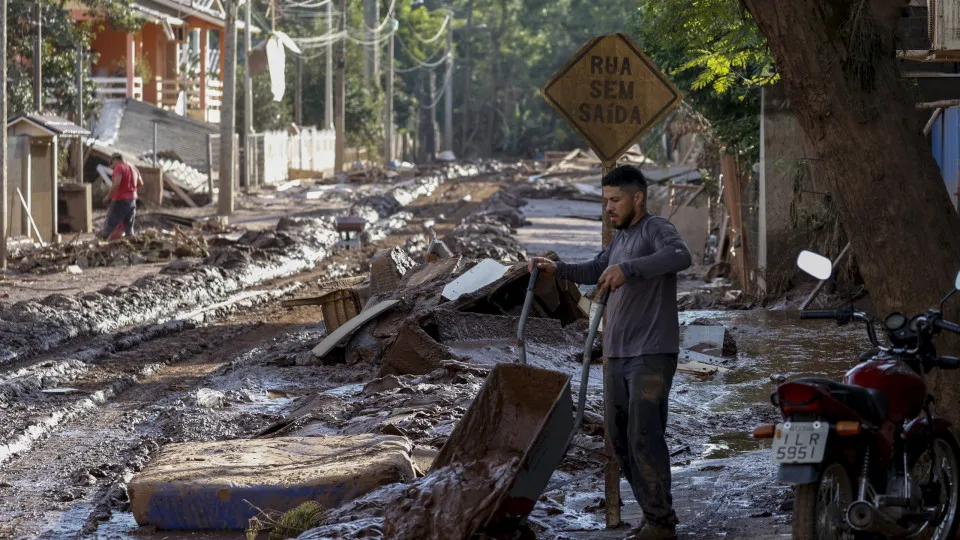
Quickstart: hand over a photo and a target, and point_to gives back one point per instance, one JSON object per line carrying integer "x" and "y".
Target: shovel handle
{"x": 527, "y": 302}
{"x": 587, "y": 359}
{"x": 603, "y": 298}
{"x": 534, "y": 275}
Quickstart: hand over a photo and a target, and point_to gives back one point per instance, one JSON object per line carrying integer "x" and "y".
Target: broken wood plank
{"x": 699, "y": 368}
{"x": 933, "y": 120}
{"x": 816, "y": 290}
{"x": 942, "y": 104}
{"x": 723, "y": 238}
{"x": 308, "y": 301}
{"x": 180, "y": 192}
{"x": 26, "y": 210}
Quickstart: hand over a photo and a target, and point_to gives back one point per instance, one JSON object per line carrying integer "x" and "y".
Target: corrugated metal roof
{"x": 180, "y": 135}
{"x": 54, "y": 124}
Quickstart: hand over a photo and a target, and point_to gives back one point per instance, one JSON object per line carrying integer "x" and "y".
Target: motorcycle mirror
{"x": 956, "y": 288}
{"x": 816, "y": 265}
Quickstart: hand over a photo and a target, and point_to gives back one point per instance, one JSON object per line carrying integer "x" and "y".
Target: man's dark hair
{"x": 117, "y": 157}
{"x": 626, "y": 177}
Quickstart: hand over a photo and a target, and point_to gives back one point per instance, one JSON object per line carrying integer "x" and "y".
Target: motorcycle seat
{"x": 870, "y": 403}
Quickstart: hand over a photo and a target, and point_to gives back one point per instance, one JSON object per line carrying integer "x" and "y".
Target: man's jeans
{"x": 636, "y": 391}
{"x": 120, "y": 212}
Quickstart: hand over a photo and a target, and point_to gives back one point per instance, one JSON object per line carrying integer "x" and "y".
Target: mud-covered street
{"x": 95, "y": 385}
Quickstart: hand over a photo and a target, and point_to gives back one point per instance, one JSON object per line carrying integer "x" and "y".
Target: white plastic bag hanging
{"x": 276, "y": 59}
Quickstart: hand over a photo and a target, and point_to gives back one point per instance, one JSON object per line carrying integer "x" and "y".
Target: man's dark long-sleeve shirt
{"x": 641, "y": 316}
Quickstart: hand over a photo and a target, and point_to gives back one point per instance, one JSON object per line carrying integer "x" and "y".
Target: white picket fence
{"x": 275, "y": 153}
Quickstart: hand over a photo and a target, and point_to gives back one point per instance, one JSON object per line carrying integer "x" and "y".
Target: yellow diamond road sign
{"x": 611, "y": 94}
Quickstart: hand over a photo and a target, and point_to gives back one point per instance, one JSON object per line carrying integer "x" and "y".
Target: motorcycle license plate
{"x": 800, "y": 442}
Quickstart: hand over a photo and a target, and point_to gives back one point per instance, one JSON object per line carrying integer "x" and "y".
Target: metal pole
{"x": 247, "y": 94}
{"x": 228, "y": 113}
{"x": 465, "y": 110}
{"x": 298, "y": 101}
{"x": 341, "y": 93}
{"x": 371, "y": 52}
{"x": 388, "y": 105}
{"x": 37, "y": 61}
{"x": 156, "y": 159}
{"x": 4, "y": 200}
{"x": 79, "y": 156}
{"x": 448, "y": 94}
{"x": 328, "y": 80}
{"x": 210, "y": 164}
{"x": 433, "y": 149}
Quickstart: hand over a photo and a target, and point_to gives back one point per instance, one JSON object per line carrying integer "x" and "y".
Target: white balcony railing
{"x": 170, "y": 90}
{"x": 116, "y": 87}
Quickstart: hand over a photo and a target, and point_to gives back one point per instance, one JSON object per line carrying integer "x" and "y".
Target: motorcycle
{"x": 867, "y": 457}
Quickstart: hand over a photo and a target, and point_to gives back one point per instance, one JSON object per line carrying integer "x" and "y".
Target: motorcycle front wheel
{"x": 945, "y": 458}
{"x": 819, "y": 509}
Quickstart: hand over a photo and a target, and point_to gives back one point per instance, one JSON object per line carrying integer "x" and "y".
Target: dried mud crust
{"x": 90, "y": 460}
{"x": 34, "y": 326}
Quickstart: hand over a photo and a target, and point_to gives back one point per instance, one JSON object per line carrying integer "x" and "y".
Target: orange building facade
{"x": 173, "y": 61}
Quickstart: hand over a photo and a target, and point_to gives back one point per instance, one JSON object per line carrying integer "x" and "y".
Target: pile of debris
{"x": 32, "y": 326}
{"x": 433, "y": 331}
{"x": 177, "y": 171}
{"x": 489, "y": 231}
{"x": 150, "y": 246}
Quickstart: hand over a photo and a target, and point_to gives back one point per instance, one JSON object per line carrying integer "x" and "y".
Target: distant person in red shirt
{"x": 122, "y": 198}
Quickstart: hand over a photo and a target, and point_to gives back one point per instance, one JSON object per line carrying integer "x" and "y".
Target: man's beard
{"x": 627, "y": 220}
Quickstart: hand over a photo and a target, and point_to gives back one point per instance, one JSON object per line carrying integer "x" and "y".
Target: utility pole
{"x": 371, "y": 51}
{"x": 37, "y": 61}
{"x": 388, "y": 104}
{"x": 4, "y": 199}
{"x": 341, "y": 93}
{"x": 298, "y": 94}
{"x": 80, "y": 112}
{"x": 247, "y": 95}
{"x": 328, "y": 80}
{"x": 228, "y": 118}
{"x": 465, "y": 111}
{"x": 448, "y": 93}
{"x": 434, "y": 126}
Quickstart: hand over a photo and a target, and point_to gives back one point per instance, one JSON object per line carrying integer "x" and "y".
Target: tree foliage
{"x": 61, "y": 35}
{"x": 713, "y": 51}
{"x": 506, "y": 50}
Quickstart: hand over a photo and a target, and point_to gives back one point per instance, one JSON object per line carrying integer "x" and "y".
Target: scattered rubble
{"x": 33, "y": 326}
{"x": 488, "y": 232}
{"x": 147, "y": 247}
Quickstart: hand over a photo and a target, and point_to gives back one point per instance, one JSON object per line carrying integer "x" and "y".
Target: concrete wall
{"x": 793, "y": 199}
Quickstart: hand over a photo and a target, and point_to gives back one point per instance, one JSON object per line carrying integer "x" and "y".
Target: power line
{"x": 444, "y": 55}
{"x": 306, "y": 5}
{"x": 386, "y": 20}
{"x": 446, "y": 22}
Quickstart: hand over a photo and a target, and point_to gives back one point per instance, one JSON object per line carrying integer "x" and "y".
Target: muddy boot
{"x": 653, "y": 531}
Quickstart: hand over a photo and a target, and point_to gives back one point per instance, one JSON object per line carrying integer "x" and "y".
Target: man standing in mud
{"x": 122, "y": 198}
{"x": 640, "y": 339}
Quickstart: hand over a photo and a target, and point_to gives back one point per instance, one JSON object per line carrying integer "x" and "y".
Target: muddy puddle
{"x": 772, "y": 345}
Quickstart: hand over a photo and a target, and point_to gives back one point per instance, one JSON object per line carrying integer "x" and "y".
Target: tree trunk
{"x": 887, "y": 189}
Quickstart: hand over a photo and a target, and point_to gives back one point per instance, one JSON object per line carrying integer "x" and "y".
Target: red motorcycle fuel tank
{"x": 904, "y": 388}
